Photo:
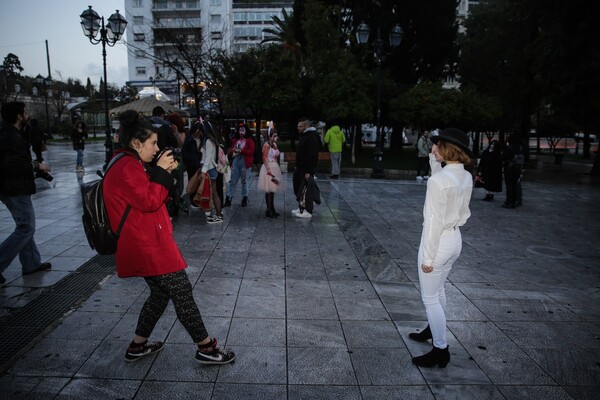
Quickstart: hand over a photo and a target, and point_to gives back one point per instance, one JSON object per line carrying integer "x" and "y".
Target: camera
{"x": 44, "y": 175}
{"x": 176, "y": 153}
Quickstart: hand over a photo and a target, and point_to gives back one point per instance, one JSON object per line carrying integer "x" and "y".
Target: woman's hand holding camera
{"x": 167, "y": 162}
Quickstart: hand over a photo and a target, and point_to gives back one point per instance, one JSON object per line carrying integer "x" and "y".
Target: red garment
{"x": 146, "y": 246}
{"x": 247, "y": 151}
{"x": 203, "y": 194}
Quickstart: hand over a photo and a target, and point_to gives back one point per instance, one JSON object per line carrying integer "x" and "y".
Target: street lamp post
{"x": 45, "y": 82}
{"x": 92, "y": 24}
{"x": 362, "y": 36}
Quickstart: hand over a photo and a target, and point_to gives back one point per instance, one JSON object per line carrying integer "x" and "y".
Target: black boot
{"x": 422, "y": 336}
{"x": 268, "y": 212}
{"x": 272, "y": 205}
{"x": 439, "y": 357}
{"x": 245, "y": 201}
{"x": 227, "y": 202}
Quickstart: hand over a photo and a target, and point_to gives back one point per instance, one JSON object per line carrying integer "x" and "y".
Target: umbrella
{"x": 145, "y": 106}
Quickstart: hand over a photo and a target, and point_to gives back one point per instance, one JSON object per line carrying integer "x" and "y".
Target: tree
{"x": 284, "y": 35}
{"x": 10, "y": 74}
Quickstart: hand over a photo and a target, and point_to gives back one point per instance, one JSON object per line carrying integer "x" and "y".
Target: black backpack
{"x": 95, "y": 219}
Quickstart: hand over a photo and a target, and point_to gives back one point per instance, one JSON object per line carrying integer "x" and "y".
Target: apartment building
{"x": 230, "y": 25}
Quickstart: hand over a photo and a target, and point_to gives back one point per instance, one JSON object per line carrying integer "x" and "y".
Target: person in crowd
{"x": 423, "y": 150}
{"x": 446, "y": 209}
{"x": 78, "y": 136}
{"x": 209, "y": 166}
{"x": 207, "y": 126}
{"x": 242, "y": 152}
{"x": 146, "y": 245}
{"x": 37, "y": 138}
{"x": 163, "y": 128}
{"x": 190, "y": 151}
{"x": 270, "y": 179}
{"x": 17, "y": 174}
{"x": 490, "y": 170}
{"x": 514, "y": 160}
{"x": 307, "y": 155}
{"x": 178, "y": 128}
{"x": 335, "y": 139}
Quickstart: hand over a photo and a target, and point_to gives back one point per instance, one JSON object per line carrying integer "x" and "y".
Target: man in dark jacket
{"x": 307, "y": 155}
{"x": 16, "y": 187}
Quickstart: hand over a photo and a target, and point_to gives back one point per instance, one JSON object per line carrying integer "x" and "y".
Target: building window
{"x": 139, "y": 37}
{"x": 139, "y": 54}
{"x": 216, "y": 3}
{"x": 138, "y": 20}
{"x": 140, "y": 70}
{"x": 215, "y": 19}
{"x": 215, "y": 35}
{"x": 137, "y": 3}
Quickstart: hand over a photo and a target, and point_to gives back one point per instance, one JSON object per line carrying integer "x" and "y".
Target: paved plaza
{"x": 322, "y": 308}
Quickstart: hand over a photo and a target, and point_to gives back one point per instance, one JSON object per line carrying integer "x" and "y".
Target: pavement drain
{"x": 31, "y": 320}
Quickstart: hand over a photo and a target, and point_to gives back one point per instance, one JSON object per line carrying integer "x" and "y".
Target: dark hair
{"x": 132, "y": 127}
{"x": 306, "y": 120}
{"x": 12, "y": 110}
{"x": 158, "y": 111}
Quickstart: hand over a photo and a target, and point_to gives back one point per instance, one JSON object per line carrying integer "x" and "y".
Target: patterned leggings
{"x": 177, "y": 287}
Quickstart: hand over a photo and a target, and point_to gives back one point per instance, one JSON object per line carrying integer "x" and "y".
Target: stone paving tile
{"x": 155, "y": 390}
{"x": 323, "y": 308}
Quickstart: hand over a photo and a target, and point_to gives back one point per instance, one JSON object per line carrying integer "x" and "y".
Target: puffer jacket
{"x": 146, "y": 245}
{"x": 16, "y": 167}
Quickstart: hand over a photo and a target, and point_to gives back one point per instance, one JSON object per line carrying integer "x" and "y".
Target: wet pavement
{"x": 322, "y": 308}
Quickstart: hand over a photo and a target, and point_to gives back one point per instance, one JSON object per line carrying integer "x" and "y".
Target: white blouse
{"x": 446, "y": 204}
{"x": 208, "y": 156}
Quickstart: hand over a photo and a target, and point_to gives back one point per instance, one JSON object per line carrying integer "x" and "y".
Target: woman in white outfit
{"x": 446, "y": 209}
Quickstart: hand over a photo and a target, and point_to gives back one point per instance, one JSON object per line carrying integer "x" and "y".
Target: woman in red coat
{"x": 146, "y": 245}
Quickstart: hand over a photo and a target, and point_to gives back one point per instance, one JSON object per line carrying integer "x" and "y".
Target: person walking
{"x": 307, "y": 155}
{"x": 78, "y": 136}
{"x": 514, "y": 161}
{"x": 242, "y": 151}
{"x": 270, "y": 179}
{"x": 17, "y": 174}
{"x": 423, "y": 150}
{"x": 146, "y": 245}
{"x": 446, "y": 209}
{"x": 490, "y": 170}
{"x": 335, "y": 139}
{"x": 209, "y": 166}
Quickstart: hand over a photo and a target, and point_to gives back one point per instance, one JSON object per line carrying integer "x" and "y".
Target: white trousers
{"x": 432, "y": 284}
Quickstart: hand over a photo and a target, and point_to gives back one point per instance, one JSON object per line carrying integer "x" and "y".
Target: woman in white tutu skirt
{"x": 270, "y": 180}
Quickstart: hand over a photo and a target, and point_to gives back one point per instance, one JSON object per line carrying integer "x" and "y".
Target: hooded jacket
{"x": 146, "y": 245}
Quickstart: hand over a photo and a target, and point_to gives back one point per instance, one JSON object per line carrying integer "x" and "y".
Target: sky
{"x": 26, "y": 24}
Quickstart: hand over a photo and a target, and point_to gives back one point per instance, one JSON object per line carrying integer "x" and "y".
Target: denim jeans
{"x": 79, "y": 157}
{"x": 336, "y": 160}
{"x": 20, "y": 242}
{"x": 239, "y": 171}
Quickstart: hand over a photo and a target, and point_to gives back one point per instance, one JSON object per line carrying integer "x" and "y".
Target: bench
{"x": 290, "y": 157}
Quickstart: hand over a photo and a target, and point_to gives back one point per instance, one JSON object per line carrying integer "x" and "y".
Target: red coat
{"x": 146, "y": 246}
{"x": 247, "y": 151}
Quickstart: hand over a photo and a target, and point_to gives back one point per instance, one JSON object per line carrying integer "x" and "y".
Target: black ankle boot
{"x": 271, "y": 204}
{"x": 439, "y": 357}
{"x": 227, "y": 202}
{"x": 268, "y": 212}
{"x": 422, "y": 336}
{"x": 244, "y": 201}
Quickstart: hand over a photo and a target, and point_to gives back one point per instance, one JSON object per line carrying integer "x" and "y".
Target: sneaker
{"x": 42, "y": 267}
{"x": 419, "y": 178}
{"x": 303, "y": 214}
{"x": 296, "y": 211}
{"x": 216, "y": 219}
{"x": 425, "y": 177}
{"x": 213, "y": 355}
{"x": 135, "y": 353}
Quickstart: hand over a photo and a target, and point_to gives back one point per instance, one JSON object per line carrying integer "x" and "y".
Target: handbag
{"x": 478, "y": 182}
